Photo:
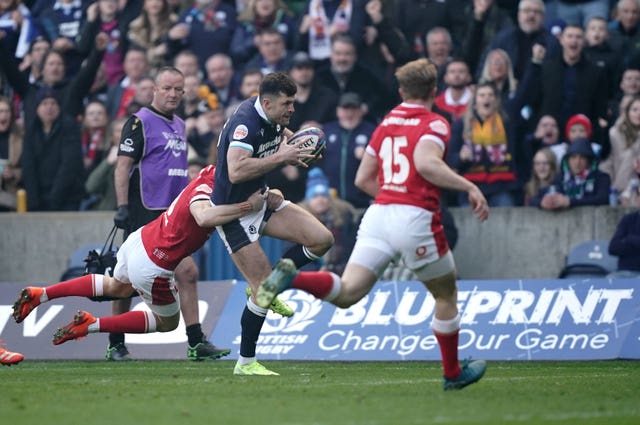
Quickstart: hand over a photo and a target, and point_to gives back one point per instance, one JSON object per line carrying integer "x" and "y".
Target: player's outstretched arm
{"x": 429, "y": 163}
{"x": 207, "y": 215}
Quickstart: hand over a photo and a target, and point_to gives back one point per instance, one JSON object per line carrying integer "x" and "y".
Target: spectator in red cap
{"x": 578, "y": 127}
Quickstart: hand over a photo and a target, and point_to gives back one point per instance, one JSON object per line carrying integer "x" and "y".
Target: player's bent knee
{"x": 167, "y": 324}
{"x": 115, "y": 288}
{"x": 443, "y": 287}
{"x": 324, "y": 240}
{"x": 348, "y": 296}
{"x": 186, "y": 272}
{"x": 343, "y": 303}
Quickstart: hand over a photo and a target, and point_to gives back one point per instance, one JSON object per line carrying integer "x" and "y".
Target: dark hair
{"x": 456, "y": 59}
{"x": 49, "y": 53}
{"x": 39, "y": 39}
{"x": 12, "y": 111}
{"x": 271, "y": 31}
{"x": 486, "y": 84}
{"x": 572, "y": 25}
{"x": 343, "y": 38}
{"x": 138, "y": 49}
{"x": 632, "y": 66}
{"x": 250, "y": 71}
{"x": 277, "y": 82}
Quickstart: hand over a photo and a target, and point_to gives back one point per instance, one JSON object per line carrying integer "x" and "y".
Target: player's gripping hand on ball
{"x": 312, "y": 138}
{"x": 295, "y": 153}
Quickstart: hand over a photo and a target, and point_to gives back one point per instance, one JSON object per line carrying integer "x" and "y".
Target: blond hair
{"x": 485, "y": 76}
{"x": 417, "y": 79}
{"x": 248, "y": 14}
{"x": 626, "y": 128}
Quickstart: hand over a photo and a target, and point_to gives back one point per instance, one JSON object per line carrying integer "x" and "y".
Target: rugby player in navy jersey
{"x": 252, "y": 143}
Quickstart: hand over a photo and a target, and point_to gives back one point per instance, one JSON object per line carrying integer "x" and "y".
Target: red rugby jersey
{"x": 393, "y": 144}
{"x": 175, "y": 234}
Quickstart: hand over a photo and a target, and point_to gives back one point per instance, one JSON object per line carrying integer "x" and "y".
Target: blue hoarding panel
{"x": 500, "y": 320}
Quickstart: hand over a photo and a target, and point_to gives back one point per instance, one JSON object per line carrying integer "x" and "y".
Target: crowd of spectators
{"x": 515, "y": 78}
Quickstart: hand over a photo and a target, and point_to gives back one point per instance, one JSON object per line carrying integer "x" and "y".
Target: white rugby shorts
{"x": 391, "y": 231}
{"x": 155, "y": 285}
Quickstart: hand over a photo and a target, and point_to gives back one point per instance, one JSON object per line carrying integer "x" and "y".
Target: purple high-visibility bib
{"x": 163, "y": 167}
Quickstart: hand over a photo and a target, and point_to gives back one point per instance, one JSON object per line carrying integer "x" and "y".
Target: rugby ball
{"x": 314, "y": 139}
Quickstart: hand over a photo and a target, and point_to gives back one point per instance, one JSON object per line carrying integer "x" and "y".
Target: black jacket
{"x": 52, "y": 168}
{"x": 366, "y": 83}
{"x": 591, "y": 92}
{"x": 625, "y": 243}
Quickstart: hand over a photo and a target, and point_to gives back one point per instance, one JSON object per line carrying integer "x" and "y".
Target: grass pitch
{"x": 355, "y": 393}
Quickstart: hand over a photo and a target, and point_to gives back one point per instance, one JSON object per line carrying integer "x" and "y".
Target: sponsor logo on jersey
{"x": 439, "y": 127}
{"x": 126, "y": 145}
{"x": 204, "y": 188}
{"x": 160, "y": 254}
{"x": 175, "y": 143}
{"x": 240, "y": 132}
{"x": 177, "y": 172}
{"x": 268, "y": 148}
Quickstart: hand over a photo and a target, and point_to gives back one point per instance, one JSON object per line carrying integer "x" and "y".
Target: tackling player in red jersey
{"x": 403, "y": 169}
{"x": 146, "y": 264}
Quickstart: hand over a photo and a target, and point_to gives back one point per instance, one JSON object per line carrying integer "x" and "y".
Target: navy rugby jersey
{"x": 248, "y": 128}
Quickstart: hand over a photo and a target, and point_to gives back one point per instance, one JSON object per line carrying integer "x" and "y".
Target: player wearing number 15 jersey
{"x": 403, "y": 169}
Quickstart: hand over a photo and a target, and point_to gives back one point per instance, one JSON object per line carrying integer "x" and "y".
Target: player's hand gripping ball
{"x": 315, "y": 140}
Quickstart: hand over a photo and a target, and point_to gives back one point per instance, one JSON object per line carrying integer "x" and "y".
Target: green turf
{"x": 367, "y": 393}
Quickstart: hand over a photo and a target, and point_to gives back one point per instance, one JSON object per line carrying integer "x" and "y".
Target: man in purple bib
{"x": 150, "y": 173}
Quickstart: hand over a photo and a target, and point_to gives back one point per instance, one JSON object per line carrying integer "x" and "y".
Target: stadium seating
{"x": 589, "y": 259}
{"x": 76, "y": 265}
